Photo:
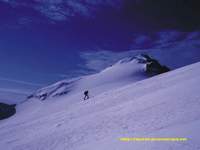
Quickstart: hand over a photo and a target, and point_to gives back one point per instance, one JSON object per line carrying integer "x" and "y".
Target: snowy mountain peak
{"x": 129, "y": 69}
{"x": 142, "y": 58}
{"x": 126, "y": 60}
{"x": 124, "y": 71}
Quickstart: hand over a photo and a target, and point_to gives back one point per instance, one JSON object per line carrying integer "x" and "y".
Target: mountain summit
{"x": 129, "y": 69}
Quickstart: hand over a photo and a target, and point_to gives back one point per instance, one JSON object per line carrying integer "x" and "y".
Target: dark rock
{"x": 164, "y": 69}
{"x": 6, "y": 110}
{"x": 30, "y": 96}
{"x": 153, "y": 66}
{"x": 43, "y": 96}
{"x": 147, "y": 57}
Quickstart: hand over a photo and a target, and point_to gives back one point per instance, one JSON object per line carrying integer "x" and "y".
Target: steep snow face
{"x": 166, "y": 105}
{"x": 123, "y": 72}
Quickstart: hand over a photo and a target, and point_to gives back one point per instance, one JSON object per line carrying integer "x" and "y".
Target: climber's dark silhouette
{"x": 86, "y": 96}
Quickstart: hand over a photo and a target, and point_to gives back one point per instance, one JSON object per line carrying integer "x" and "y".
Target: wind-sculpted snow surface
{"x": 166, "y": 105}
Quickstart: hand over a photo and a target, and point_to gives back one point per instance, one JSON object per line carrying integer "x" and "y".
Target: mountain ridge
{"x": 129, "y": 67}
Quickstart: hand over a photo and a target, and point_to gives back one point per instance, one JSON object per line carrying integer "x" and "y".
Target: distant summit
{"x": 126, "y": 70}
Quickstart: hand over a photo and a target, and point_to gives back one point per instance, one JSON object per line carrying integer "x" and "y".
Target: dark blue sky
{"x": 43, "y": 41}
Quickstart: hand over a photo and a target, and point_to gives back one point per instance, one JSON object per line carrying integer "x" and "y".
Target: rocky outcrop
{"x": 153, "y": 67}
{"x": 7, "y": 110}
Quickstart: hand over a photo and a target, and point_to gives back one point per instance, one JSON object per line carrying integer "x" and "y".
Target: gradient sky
{"x": 43, "y": 41}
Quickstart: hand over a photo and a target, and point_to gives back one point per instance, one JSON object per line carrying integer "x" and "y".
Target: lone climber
{"x": 86, "y": 95}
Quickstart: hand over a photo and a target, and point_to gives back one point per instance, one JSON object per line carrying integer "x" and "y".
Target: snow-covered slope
{"x": 166, "y": 105}
{"x": 123, "y": 72}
